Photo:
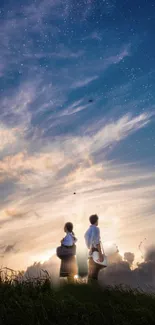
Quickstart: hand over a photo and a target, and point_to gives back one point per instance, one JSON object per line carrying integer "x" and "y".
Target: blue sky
{"x": 56, "y": 56}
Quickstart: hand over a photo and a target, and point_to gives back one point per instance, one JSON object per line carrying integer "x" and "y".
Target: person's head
{"x": 68, "y": 227}
{"x": 94, "y": 219}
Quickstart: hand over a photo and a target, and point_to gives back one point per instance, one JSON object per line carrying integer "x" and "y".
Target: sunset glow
{"x": 45, "y": 256}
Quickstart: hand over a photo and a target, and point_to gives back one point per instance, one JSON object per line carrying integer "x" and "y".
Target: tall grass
{"x": 38, "y": 302}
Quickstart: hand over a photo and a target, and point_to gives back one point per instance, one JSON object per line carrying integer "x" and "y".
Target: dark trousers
{"x": 93, "y": 270}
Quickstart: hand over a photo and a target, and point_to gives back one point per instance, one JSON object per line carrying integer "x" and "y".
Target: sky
{"x": 77, "y": 114}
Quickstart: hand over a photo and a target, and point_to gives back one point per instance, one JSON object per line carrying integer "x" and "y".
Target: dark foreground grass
{"x": 29, "y": 304}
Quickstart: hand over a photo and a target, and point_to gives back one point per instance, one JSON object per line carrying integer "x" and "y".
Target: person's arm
{"x": 64, "y": 241}
{"x": 98, "y": 244}
{"x": 75, "y": 239}
{"x": 101, "y": 256}
{"x": 87, "y": 239}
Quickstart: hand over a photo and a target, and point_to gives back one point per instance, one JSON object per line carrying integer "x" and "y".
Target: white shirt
{"x": 92, "y": 236}
{"x": 69, "y": 240}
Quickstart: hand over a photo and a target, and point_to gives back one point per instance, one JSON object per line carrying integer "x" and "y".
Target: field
{"x": 42, "y": 304}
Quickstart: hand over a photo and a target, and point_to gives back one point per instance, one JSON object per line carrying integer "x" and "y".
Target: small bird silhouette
{"x": 90, "y": 101}
{"x": 74, "y": 193}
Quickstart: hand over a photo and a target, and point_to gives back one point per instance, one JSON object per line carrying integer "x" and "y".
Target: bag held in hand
{"x": 66, "y": 251}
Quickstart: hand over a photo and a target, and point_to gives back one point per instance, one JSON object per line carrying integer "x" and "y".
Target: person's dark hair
{"x": 69, "y": 227}
{"x": 93, "y": 219}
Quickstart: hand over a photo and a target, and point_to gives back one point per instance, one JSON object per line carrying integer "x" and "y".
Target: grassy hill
{"x": 40, "y": 304}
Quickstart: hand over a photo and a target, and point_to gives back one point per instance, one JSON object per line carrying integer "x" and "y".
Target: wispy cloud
{"x": 35, "y": 13}
{"x": 76, "y": 107}
{"x": 43, "y": 167}
{"x": 119, "y": 129}
{"x": 37, "y": 168}
{"x": 84, "y": 82}
{"x": 99, "y": 65}
{"x": 9, "y": 136}
{"x": 117, "y": 58}
{"x": 15, "y": 106}
{"x": 97, "y": 36}
{"x": 63, "y": 53}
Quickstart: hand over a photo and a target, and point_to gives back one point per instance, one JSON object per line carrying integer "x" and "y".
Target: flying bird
{"x": 90, "y": 100}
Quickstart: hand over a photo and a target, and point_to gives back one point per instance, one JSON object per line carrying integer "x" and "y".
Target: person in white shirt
{"x": 93, "y": 243}
{"x": 68, "y": 266}
{"x": 69, "y": 239}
